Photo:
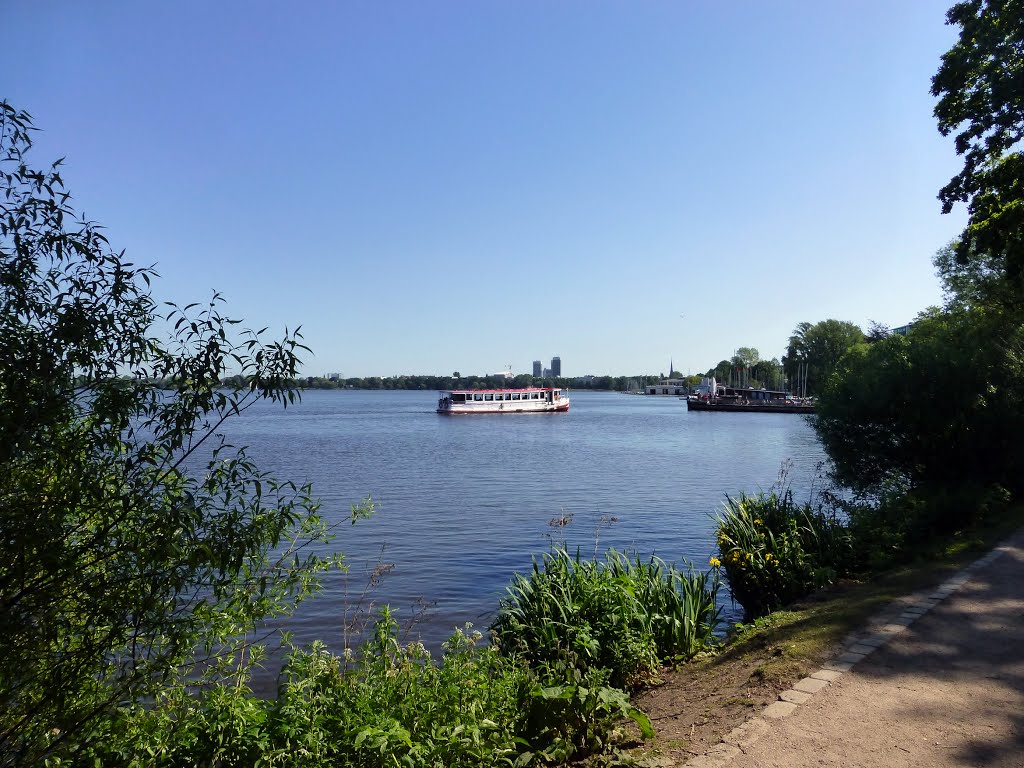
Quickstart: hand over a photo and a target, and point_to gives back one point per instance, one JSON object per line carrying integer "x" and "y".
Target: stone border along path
{"x": 859, "y": 645}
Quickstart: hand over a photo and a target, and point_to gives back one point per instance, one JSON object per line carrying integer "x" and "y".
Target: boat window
{"x": 508, "y": 395}
{"x": 488, "y": 397}
{"x": 515, "y": 395}
{"x": 458, "y": 398}
{"x": 536, "y": 395}
{"x": 478, "y": 397}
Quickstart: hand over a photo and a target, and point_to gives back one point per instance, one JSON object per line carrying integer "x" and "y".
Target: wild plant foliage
{"x": 775, "y": 551}
{"x": 389, "y": 704}
{"x": 624, "y": 615}
{"x": 125, "y": 567}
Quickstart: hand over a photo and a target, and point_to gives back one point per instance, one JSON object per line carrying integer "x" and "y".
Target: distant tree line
{"x": 455, "y": 381}
{"x": 421, "y": 382}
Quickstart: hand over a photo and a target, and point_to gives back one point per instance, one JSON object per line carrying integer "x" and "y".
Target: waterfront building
{"x": 671, "y": 387}
{"x": 556, "y": 366}
{"x": 537, "y": 370}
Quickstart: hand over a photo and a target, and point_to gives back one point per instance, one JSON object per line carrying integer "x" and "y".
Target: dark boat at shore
{"x": 744, "y": 400}
{"x": 733, "y": 406}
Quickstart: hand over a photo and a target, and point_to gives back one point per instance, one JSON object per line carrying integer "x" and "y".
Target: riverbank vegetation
{"x": 775, "y": 551}
{"x": 922, "y": 427}
{"x": 135, "y": 587}
{"x": 141, "y": 549}
{"x": 624, "y": 617}
{"x": 147, "y": 555}
{"x": 925, "y": 428}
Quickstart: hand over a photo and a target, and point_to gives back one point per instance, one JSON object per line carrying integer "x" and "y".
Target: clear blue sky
{"x": 437, "y": 186}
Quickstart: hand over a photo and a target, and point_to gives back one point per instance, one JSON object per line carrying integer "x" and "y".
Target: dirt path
{"x": 941, "y": 685}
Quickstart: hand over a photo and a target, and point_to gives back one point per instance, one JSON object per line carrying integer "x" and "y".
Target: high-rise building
{"x": 536, "y": 368}
{"x": 556, "y": 366}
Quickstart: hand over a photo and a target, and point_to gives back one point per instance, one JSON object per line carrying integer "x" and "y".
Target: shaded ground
{"x": 703, "y": 701}
{"x": 949, "y": 691}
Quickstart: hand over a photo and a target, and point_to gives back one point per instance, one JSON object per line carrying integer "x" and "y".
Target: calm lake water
{"x": 466, "y": 501}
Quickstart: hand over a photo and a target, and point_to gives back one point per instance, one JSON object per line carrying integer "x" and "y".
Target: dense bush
{"x": 623, "y": 615}
{"x": 775, "y": 551}
{"x": 897, "y": 525}
{"x": 137, "y": 541}
{"x": 389, "y": 705}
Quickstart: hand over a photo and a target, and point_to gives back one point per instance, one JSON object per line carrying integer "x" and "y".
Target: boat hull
{"x": 700, "y": 405}
{"x": 469, "y": 409}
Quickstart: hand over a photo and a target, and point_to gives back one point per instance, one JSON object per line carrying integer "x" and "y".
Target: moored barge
{"x": 735, "y": 406}
{"x": 749, "y": 400}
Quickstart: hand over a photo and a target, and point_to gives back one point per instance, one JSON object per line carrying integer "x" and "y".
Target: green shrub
{"x": 775, "y": 551}
{"x": 901, "y": 522}
{"x": 389, "y": 705}
{"x": 577, "y": 716}
{"x": 624, "y": 615}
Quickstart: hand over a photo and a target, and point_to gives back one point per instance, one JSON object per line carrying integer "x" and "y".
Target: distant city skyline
{"x": 426, "y": 188}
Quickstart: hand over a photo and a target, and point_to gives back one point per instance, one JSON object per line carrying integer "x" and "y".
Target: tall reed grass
{"x": 776, "y": 551}
{"x": 625, "y": 615}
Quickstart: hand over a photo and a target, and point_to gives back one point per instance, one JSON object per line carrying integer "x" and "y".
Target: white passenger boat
{"x": 525, "y": 400}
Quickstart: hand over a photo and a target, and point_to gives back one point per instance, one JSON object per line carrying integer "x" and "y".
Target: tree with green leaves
{"x": 930, "y": 423}
{"x": 796, "y": 352}
{"x": 767, "y": 374}
{"x": 980, "y": 90}
{"x": 935, "y": 414}
{"x": 746, "y": 357}
{"x": 815, "y": 350}
{"x": 141, "y": 549}
{"x": 723, "y": 372}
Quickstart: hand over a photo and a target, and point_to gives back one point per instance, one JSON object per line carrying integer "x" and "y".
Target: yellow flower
{"x": 714, "y": 562}
{"x": 757, "y": 521}
{"x": 769, "y": 557}
{"x": 750, "y": 556}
